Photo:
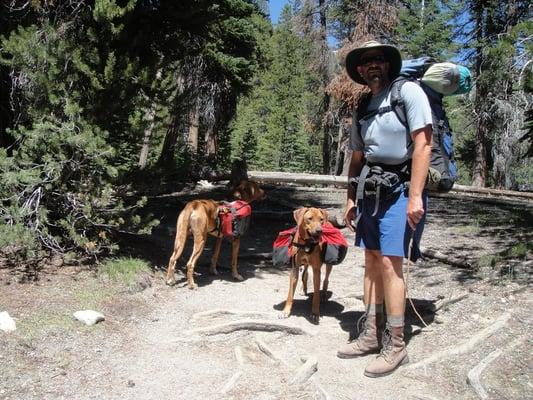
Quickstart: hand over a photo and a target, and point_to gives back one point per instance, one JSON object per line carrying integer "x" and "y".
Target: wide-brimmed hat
{"x": 391, "y": 53}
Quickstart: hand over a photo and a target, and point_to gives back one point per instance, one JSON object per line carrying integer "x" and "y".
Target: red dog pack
{"x": 334, "y": 246}
{"x": 234, "y": 218}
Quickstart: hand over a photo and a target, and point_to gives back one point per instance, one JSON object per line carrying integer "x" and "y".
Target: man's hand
{"x": 415, "y": 211}
{"x": 349, "y": 216}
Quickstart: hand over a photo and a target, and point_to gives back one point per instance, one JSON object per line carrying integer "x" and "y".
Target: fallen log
{"x": 490, "y": 195}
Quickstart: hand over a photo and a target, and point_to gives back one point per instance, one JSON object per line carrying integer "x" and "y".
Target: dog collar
{"x": 307, "y": 246}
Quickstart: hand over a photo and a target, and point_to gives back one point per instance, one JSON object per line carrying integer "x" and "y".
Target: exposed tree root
{"x": 303, "y": 374}
{"x": 465, "y": 347}
{"x": 221, "y": 313}
{"x": 230, "y": 384}
{"x": 306, "y": 371}
{"x": 265, "y": 349}
{"x": 250, "y": 325}
{"x": 475, "y": 374}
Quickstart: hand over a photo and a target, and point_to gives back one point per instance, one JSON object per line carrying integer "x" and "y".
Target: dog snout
{"x": 316, "y": 233}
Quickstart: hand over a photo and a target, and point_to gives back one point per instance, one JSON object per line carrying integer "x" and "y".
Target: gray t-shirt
{"x": 383, "y": 138}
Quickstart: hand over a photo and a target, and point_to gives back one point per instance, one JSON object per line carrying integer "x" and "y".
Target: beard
{"x": 374, "y": 74}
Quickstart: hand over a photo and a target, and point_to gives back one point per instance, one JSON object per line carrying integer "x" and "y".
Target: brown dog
{"x": 199, "y": 218}
{"x": 307, "y": 249}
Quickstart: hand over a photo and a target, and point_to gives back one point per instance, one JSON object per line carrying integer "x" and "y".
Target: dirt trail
{"x": 144, "y": 349}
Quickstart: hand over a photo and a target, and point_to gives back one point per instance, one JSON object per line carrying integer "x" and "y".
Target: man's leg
{"x": 371, "y": 321}
{"x": 393, "y": 353}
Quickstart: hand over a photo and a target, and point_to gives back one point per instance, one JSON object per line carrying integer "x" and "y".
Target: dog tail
{"x": 182, "y": 228}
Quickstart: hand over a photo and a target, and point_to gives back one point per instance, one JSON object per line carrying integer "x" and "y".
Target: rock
{"x": 7, "y": 324}
{"x": 89, "y": 317}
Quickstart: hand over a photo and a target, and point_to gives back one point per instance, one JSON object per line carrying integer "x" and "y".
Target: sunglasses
{"x": 374, "y": 59}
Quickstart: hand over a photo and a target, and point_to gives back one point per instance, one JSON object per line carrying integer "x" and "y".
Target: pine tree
{"x": 425, "y": 29}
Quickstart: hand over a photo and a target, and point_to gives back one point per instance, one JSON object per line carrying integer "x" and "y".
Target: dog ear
{"x": 299, "y": 215}
{"x": 237, "y": 191}
{"x": 256, "y": 193}
{"x": 325, "y": 215}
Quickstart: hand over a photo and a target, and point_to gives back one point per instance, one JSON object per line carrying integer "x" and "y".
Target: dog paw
{"x": 170, "y": 282}
{"x": 192, "y": 286}
{"x": 213, "y": 272}
{"x": 284, "y": 314}
{"x": 238, "y": 277}
{"x": 315, "y": 318}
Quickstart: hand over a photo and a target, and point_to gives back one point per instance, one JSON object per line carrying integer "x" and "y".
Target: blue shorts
{"x": 388, "y": 231}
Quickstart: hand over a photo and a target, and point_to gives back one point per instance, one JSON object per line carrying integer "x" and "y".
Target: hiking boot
{"x": 392, "y": 355}
{"x": 367, "y": 341}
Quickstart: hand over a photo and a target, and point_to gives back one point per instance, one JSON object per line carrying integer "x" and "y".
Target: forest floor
{"x": 151, "y": 345}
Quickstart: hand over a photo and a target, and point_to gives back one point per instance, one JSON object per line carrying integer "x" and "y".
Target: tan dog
{"x": 307, "y": 251}
{"x": 199, "y": 218}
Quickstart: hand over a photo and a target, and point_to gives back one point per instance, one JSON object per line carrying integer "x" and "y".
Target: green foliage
{"x": 60, "y": 183}
{"x": 124, "y": 270}
{"x": 270, "y": 129}
{"x": 426, "y": 31}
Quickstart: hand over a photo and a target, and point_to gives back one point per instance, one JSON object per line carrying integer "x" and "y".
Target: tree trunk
{"x": 211, "y": 142}
{"x": 480, "y": 168}
{"x": 146, "y": 137}
{"x": 194, "y": 122}
{"x": 6, "y": 114}
{"x": 339, "y": 155}
{"x": 324, "y": 58}
{"x": 169, "y": 145}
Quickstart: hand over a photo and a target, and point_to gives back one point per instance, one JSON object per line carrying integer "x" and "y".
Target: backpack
{"x": 334, "y": 246}
{"x": 233, "y": 218}
{"x": 436, "y": 80}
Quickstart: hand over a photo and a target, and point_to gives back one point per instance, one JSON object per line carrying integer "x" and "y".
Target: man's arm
{"x": 356, "y": 164}
{"x": 422, "y": 139}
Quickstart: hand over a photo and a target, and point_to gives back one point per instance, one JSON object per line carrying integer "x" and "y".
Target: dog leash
{"x": 410, "y": 248}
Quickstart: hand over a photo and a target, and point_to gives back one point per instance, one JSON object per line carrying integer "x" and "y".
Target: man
{"x": 387, "y": 222}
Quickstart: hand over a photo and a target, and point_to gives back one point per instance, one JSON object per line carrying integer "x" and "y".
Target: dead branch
{"x": 475, "y": 374}
{"x": 305, "y": 371}
{"x": 450, "y": 260}
{"x": 446, "y": 302}
{"x": 250, "y": 325}
{"x": 465, "y": 347}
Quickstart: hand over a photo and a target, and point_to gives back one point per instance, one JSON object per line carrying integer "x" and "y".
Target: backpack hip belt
{"x": 380, "y": 182}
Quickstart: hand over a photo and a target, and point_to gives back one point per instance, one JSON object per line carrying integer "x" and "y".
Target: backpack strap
{"x": 359, "y": 111}
{"x": 396, "y": 101}
{"x": 396, "y": 104}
